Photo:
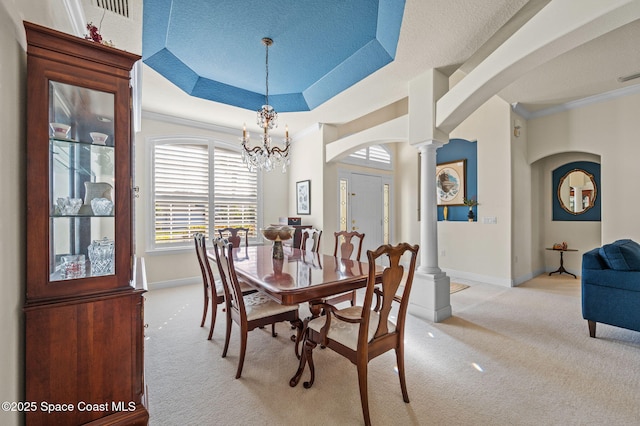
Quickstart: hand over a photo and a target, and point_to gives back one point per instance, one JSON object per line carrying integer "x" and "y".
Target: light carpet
{"x": 508, "y": 356}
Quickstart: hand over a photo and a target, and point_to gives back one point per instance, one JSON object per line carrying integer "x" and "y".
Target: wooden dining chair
{"x": 311, "y": 239}
{"x": 213, "y": 290}
{"x": 344, "y": 248}
{"x": 235, "y": 237}
{"x": 231, "y": 234}
{"x": 361, "y": 333}
{"x": 248, "y": 311}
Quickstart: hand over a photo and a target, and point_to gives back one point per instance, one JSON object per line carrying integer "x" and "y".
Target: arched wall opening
{"x": 578, "y": 234}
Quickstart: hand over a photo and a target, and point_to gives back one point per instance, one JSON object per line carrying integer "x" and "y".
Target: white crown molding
{"x": 579, "y": 103}
{"x": 216, "y": 127}
{"x": 190, "y": 123}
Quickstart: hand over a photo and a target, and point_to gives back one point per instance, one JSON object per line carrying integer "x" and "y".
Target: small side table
{"x": 561, "y": 269}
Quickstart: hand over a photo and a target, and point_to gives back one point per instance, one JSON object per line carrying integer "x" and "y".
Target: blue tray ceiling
{"x": 213, "y": 49}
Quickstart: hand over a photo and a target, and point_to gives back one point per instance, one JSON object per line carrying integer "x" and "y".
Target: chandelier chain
{"x": 264, "y": 156}
{"x": 267, "y": 42}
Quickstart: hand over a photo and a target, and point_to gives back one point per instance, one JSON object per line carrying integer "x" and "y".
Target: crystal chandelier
{"x": 264, "y": 156}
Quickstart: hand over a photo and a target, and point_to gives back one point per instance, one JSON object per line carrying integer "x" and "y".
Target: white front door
{"x": 366, "y": 199}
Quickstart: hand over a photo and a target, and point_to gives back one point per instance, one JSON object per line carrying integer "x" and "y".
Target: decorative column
{"x": 428, "y": 208}
{"x": 430, "y": 297}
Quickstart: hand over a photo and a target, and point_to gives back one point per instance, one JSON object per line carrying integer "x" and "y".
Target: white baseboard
{"x": 526, "y": 277}
{"x": 461, "y": 276}
{"x": 174, "y": 283}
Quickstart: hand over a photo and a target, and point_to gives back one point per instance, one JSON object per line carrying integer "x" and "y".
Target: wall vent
{"x": 120, "y": 7}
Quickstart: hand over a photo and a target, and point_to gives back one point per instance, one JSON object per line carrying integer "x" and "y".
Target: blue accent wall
{"x": 461, "y": 149}
{"x": 560, "y": 214}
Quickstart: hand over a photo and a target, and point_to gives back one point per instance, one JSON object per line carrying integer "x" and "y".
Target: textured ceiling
{"x": 441, "y": 34}
{"x": 213, "y": 49}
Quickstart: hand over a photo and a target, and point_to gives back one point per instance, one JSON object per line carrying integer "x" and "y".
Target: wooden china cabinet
{"x": 84, "y": 315}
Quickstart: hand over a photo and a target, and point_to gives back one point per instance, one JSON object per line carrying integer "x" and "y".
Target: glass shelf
{"x": 72, "y": 238}
{"x": 81, "y": 216}
{"x": 81, "y": 183}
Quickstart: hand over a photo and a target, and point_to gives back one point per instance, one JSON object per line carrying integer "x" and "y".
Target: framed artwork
{"x": 451, "y": 183}
{"x": 303, "y": 197}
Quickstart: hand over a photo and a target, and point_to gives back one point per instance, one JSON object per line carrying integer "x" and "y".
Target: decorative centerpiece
{"x": 278, "y": 234}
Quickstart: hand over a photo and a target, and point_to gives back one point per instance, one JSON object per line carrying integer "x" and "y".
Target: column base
{"x": 430, "y": 296}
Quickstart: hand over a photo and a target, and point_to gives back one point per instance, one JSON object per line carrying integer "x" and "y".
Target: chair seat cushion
{"x": 244, "y": 287}
{"x": 622, "y": 255}
{"x": 346, "y": 333}
{"x": 260, "y": 305}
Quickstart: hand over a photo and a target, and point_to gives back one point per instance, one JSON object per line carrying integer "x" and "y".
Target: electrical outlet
{"x": 490, "y": 220}
{"x": 443, "y": 253}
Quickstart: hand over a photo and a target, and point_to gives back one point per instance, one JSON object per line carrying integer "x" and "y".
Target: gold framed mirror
{"x": 577, "y": 191}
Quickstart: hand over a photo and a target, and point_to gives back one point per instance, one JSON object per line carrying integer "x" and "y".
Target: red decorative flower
{"x": 93, "y": 33}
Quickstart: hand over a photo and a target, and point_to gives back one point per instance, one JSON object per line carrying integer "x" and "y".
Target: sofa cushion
{"x": 622, "y": 255}
{"x": 593, "y": 260}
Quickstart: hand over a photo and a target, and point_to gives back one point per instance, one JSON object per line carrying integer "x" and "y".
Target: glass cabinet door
{"x": 81, "y": 182}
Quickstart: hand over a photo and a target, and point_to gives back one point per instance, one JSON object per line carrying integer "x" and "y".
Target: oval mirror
{"x": 577, "y": 191}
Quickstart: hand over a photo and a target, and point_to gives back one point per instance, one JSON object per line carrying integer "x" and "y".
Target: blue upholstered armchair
{"x": 611, "y": 285}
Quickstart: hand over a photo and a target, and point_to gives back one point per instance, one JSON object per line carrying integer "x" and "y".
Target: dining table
{"x": 299, "y": 277}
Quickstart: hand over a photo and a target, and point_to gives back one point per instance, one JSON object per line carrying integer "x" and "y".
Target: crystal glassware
{"x": 101, "y": 206}
{"x": 101, "y": 255}
{"x": 68, "y": 206}
{"x": 73, "y": 266}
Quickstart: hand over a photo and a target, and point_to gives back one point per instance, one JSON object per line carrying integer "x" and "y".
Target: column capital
{"x": 429, "y": 144}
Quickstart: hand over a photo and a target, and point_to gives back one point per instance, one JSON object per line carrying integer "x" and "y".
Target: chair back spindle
{"x": 344, "y": 247}
{"x": 223, "y": 250}
{"x": 311, "y": 239}
{"x": 232, "y": 234}
{"x": 393, "y": 278}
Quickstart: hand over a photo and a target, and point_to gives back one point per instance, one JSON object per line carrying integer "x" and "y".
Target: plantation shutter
{"x": 181, "y": 183}
{"x": 235, "y": 192}
{"x": 378, "y": 153}
{"x": 376, "y": 156}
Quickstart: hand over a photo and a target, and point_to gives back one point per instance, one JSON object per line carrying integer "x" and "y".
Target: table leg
{"x": 561, "y": 269}
{"x": 303, "y": 361}
{"x": 298, "y": 325}
{"x": 316, "y": 309}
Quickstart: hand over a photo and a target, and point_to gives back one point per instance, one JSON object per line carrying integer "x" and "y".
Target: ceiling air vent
{"x": 120, "y": 7}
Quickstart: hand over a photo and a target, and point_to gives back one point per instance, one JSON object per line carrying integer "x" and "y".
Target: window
{"x": 375, "y": 156}
{"x": 199, "y": 186}
{"x": 344, "y": 204}
{"x": 235, "y": 192}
